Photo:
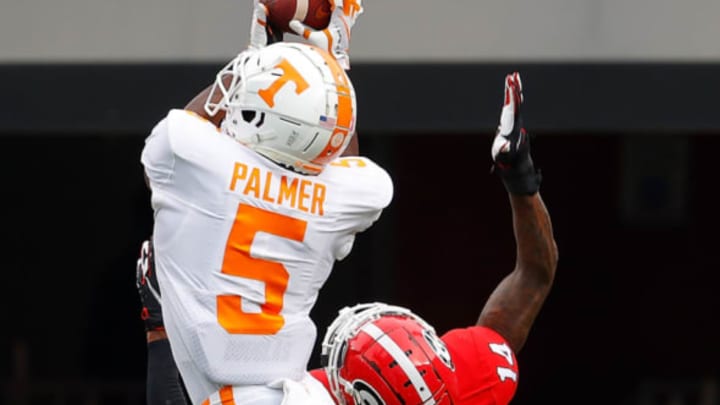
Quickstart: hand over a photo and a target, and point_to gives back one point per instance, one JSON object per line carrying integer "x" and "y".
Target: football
{"x": 314, "y": 13}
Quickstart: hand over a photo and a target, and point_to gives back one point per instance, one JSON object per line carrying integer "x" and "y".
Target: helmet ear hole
{"x": 248, "y": 115}
{"x": 253, "y": 117}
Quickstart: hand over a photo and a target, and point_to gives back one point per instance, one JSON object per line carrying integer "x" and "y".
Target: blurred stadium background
{"x": 621, "y": 94}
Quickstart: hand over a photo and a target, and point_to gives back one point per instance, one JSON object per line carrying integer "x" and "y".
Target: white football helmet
{"x": 290, "y": 102}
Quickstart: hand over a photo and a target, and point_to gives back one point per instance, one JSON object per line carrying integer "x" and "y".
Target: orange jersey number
{"x": 348, "y": 162}
{"x": 238, "y": 262}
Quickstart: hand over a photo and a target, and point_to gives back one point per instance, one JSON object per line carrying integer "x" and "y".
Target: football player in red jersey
{"x": 381, "y": 354}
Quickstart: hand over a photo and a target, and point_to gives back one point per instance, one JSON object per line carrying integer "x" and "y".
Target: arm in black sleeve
{"x": 164, "y": 386}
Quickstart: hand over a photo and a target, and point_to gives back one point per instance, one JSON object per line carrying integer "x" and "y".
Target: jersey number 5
{"x": 238, "y": 262}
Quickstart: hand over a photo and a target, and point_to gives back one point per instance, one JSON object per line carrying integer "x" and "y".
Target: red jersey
{"x": 485, "y": 366}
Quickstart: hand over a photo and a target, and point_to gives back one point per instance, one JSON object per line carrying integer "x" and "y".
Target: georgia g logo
{"x": 438, "y": 346}
{"x": 364, "y": 394}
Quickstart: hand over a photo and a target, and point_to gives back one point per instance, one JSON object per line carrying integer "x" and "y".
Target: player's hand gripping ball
{"x": 313, "y": 13}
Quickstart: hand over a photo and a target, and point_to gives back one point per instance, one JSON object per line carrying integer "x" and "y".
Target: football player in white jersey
{"x": 377, "y": 354}
{"x": 251, "y": 215}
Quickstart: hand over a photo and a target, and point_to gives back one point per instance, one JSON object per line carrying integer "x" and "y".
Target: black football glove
{"x": 148, "y": 288}
{"x": 511, "y": 147}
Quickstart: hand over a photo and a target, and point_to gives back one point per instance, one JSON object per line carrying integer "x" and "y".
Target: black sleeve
{"x": 164, "y": 386}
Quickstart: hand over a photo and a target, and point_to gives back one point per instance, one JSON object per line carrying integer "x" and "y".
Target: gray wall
{"x": 390, "y": 30}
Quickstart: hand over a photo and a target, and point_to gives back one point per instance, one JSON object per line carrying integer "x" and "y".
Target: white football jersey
{"x": 242, "y": 247}
{"x": 307, "y": 391}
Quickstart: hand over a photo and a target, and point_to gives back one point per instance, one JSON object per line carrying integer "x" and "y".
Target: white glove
{"x": 510, "y": 128}
{"x": 336, "y": 37}
{"x": 261, "y": 34}
{"x": 258, "y": 27}
{"x": 511, "y": 147}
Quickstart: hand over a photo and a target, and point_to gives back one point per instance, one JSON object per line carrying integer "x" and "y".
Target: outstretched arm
{"x": 516, "y": 302}
{"x": 261, "y": 35}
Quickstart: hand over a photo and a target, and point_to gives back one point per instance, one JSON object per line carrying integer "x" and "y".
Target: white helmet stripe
{"x": 396, "y": 352}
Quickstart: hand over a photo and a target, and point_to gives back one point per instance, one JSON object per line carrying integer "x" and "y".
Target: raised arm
{"x": 197, "y": 105}
{"x": 261, "y": 35}
{"x": 515, "y": 303}
{"x": 335, "y": 38}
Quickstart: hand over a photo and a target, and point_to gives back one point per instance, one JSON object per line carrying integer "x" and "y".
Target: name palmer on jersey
{"x": 300, "y": 194}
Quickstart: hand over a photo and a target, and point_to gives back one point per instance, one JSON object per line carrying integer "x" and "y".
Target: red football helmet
{"x": 377, "y": 354}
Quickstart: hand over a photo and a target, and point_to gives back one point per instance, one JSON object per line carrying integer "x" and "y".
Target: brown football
{"x": 314, "y": 13}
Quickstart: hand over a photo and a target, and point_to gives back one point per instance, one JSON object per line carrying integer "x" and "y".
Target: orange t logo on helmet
{"x": 290, "y": 74}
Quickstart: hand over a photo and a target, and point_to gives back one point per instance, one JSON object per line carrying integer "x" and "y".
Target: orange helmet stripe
{"x": 345, "y": 112}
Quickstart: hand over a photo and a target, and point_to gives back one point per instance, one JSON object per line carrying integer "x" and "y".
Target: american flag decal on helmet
{"x": 327, "y": 122}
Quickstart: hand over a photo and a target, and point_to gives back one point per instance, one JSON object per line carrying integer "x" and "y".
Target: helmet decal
{"x": 365, "y": 394}
{"x": 290, "y": 74}
{"x": 344, "y": 111}
{"x": 438, "y": 346}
